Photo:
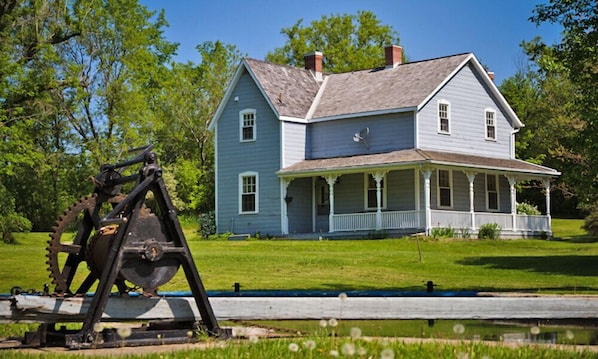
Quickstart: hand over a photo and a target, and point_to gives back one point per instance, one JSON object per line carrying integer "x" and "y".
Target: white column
{"x": 331, "y": 179}
{"x": 378, "y": 177}
{"x": 512, "y": 183}
{"x": 285, "y": 204}
{"x": 546, "y": 183}
{"x": 471, "y": 179}
{"x": 427, "y": 194}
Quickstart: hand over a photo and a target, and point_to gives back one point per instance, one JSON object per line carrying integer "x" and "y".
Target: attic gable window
{"x": 444, "y": 114}
{"x": 247, "y": 120}
{"x": 490, "y": 124}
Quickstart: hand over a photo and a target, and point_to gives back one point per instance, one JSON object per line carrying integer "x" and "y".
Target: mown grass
{"x": 566, "y": 265}
{"x": 559, "y": 266}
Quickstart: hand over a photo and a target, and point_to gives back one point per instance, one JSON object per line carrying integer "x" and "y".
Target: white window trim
{"x": 241, "y": 114}
{"x": 450, "y": 174}
{"x": 443, "y": 102}
{"x": 488, "y": 193}
{"x": 257, "y": 192}
{"x": 486, "y": 111}
{"x": 366, "y": 179}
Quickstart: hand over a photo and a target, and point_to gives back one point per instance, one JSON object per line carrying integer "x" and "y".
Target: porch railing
{"x": 367, "y": 221}
{"x": 455, "y": 219}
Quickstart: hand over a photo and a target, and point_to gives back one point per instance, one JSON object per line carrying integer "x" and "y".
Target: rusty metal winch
{"x": 118, "y": 241}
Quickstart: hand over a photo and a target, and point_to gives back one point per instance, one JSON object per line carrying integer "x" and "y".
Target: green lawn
{"x": 559, "y": 266}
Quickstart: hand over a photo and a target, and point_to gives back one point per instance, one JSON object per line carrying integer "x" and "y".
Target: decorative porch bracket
{"x": 471, "y": 178}
{"x": 378, "y": 177}
{"x": 285, "y": 182}
{"x": 546, "y": 182}
{"x": 331, "y": 180}
{"x": 512, "y": 182}
{"x": 427, "y": 173}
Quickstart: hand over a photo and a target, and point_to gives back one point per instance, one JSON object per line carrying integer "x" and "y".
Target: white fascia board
{"x": 444, "y": 82}
{"x": 496, "y": 92}
{"x": 486, "y": 80}
{"x": 227, "y": 95}
{"x": 292, "y": 119}
{"x": 233, "y": 85}
{"x": 364, "y": 114}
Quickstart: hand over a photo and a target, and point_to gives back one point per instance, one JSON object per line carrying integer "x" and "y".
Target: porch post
{"x": 331, "y": 179}
{"x": 427, "y": 193}
{"x": 471, "y": 178}
{"x": 378, "y": 177}
{"x": 546, "y": 183}
{"x": 512, "y": 183}
{"x": 285, "y": 204}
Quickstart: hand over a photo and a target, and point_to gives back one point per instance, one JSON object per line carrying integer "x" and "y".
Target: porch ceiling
{"x": 414, "y": 158}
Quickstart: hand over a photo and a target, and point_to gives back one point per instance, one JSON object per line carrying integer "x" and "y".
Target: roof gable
{"x": 405, "y": 86}
{"x": 294, "y": 93}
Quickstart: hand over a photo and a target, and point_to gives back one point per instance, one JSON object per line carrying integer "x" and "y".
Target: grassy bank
{"x": 564, "y": 266}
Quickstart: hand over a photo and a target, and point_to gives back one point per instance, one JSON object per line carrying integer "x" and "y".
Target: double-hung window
{"x": 445, "y": 192}
{"x": 490, "y": 124}
{"x": 247, "y": 120}
{"x": 372, "y": 190}
{"x": 248, "y": 192}
{"x": 444, "y": 116}
{"x": 492, "y": 192}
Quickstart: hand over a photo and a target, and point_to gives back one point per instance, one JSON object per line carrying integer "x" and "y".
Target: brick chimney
{"x": 393, "y": 55}
{"x": 491, "y": 75}
{"x": 313, "y": 62}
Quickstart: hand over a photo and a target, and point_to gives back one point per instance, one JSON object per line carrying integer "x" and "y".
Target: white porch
{"x": 415, "y": 220}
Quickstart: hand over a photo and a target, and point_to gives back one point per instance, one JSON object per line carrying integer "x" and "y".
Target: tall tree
{"x": 576, "y": 53}
{"x": 349, "y": 42}
{"x": 186, "y": 104}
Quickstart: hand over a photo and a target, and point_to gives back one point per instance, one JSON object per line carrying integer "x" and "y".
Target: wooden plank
{"x": 28, "y": 308}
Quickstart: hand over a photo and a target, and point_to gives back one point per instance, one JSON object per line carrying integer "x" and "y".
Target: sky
{"x": 492, "y": 29}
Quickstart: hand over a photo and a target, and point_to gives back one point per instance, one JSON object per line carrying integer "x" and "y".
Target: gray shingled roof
{"x": 290, "y": 90}
{"x": 404, "y": 86}
{"x": 404, "y": 158}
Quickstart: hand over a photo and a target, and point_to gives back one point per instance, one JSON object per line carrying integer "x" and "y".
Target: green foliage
{"x": 442, "y": 232}
{"x": 207, "y": 224}
{"x": 10, "y": 220}
{"x": 591, "y": 223}
{"x": 349, "y": 42}
{"x": 489, "y": 231}
{"x": 526, "y": 208}
{"x": 576, "y": 55}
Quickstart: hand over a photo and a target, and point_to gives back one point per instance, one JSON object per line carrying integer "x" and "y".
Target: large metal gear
{"x": 143, "y": 266}
{"x": 64, "y": 254}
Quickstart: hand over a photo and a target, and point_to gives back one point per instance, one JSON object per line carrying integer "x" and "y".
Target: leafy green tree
{"x": 576, "y": 53}
{"x": 349, "y": 42}
{"x": 10, "y": 220}
{"x": 185, "y": 105}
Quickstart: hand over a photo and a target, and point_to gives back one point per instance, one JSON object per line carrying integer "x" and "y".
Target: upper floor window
{"x": 247, "y": 125}
{"x": 492, "y": 192}
{"x": 248, "y": 191}
{"x": 371, "y": 192}
{"x": 444, "y": 117}
{"x": 490, "y": 125}
{"x": 445, "y": 188}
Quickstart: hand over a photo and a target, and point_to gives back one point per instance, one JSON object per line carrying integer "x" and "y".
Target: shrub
{"x": 440, "y": 232}
{"x": 591, "y": 223}
{"x": 207, "y": 224}
{"x": 527, "y": 208}
{"x": 489, "y": 231}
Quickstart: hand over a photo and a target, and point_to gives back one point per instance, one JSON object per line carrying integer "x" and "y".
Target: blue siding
{"x": 335, "y": 138}
{"x": 261, "y": 156}
{"x": 468, "y": 100}
{"x": 294, "y": 137}
{"x": 300, "y": 209}
{"x": 400, "y": 187}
